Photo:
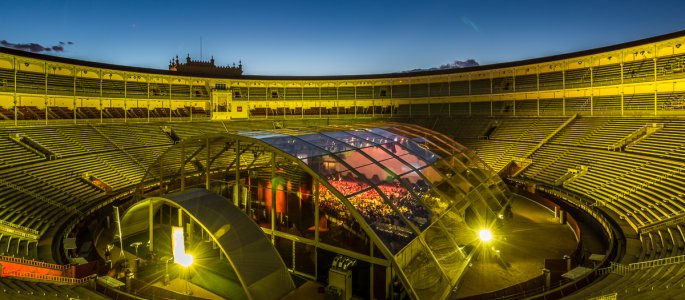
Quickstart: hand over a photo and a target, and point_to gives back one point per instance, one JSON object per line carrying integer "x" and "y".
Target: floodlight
{"x": 178, "y": 247}
{"x": 184, "y": 260}
{"x": 485, "y": 235}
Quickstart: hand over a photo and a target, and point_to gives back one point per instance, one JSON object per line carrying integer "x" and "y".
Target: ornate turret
{"x": 204, "y": 67}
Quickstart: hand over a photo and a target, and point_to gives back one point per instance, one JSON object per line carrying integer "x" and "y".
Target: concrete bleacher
{"x": 186, "y": 130}
{"x": 663, "y": 281}
{"x": 509, "y": 138}
{"x": 12, "y": 288}
{"x": 642, "y": 184}
{"x": 40, "y": 192}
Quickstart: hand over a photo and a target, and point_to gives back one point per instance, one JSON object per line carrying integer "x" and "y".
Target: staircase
{"x": 636, "y": 136}
{"x": 571, "y": 175}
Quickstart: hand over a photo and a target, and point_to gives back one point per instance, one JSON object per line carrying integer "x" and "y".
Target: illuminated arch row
{"x": 259, "y": 268}
{"x": 420, "y": 196}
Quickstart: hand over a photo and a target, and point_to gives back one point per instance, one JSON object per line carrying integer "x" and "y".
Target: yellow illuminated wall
{"x": 640, "y": 79}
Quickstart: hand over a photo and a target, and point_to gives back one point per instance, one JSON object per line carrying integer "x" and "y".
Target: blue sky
{"x": 332, "y": 37}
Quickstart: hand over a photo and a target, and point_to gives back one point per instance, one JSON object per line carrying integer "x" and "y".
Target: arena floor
{"x": 531, "y": 236}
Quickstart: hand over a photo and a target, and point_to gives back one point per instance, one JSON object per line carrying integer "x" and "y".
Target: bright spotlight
{"x": 485, "y": 235}
{"x": 178, "y": 248}
{"x": 184, "y": 260}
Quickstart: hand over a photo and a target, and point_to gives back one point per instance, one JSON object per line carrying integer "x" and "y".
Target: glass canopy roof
{"x": 406, "y": 182}
{"x": 421, "y": 194}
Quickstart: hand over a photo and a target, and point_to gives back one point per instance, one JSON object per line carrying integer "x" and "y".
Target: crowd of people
{"x": 375, "y": 210}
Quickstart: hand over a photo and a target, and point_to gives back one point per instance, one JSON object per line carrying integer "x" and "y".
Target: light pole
{"x": 166, "y": 269}
{"x": 136, "y": 245}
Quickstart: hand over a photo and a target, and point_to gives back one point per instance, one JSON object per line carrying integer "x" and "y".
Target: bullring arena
{"x": 556, "y": 177}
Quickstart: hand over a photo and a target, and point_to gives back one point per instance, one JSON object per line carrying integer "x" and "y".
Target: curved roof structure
{"x": 418, "y": 194}
{"x": 258, "y": 266}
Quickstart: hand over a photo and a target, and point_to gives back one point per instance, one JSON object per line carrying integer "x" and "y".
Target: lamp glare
{"x": 184, "y": 260}
{"x": 485, "y": 235}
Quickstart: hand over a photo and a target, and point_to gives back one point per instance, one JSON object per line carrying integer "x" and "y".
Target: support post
{"x": 236, "y": 193}
{"x": 183, "y": 159}
{"x": 208, "y": 166}
{"x": 317, "y": 222}
{"x": 273, "y": 197}
{"x": 371, "y": 271}
{"x": 151, "y": 224}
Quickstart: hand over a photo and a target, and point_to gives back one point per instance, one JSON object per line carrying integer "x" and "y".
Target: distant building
{"x": 204, "y": 67}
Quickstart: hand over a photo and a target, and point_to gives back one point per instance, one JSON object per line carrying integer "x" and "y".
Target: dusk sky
{"x": 331, "y": 37}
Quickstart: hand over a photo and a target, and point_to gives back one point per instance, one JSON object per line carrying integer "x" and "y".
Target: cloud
{"x": 35, "y": 47}
{"x": 469, "y": 23}
{"x": 457, "y": 64}
{"x": 460, "y": 64}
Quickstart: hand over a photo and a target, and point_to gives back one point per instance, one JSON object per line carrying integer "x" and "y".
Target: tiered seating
{"x": 200, "y": 111}
{"x": 32, "y": 113}
{"x": 663, "y": 282}
{"x": 88, "y": 113}
{"x": 135, "y": 135}
{"x": 61, "y": 112}
{"x": 527, "y": 107}
{"x": 200, "y": 92}
{"x": 598, "y": 132}
{"x": 283, "y": 111}
{"x": 642, "y": 190}
{"x": 51, "y": 139}
{"x": 580, "y": 104}
{"x": 313, "y": 111}
{"x": 137, "y": 112}
{"x": 578, "y": 130}
{"x": 662, "y": 243}
{"x": 516, "y": 137}
{"x": 613, "y": 131}
{"x": 341, "y": 110}
{"x": 113, "y": 88}
{"x": 115, "y": 112}
{"x": 12, "y": 154}
{"x": 470, "y": 129}
{"x": 643, "y": 184}
{"x": 38, "y": 193}
{"x": 182, "y": 112}
{"x": 258, "y": 111}
{"x": 94, "y": 141}
{"x": 192, "y": 129}
{"x": 497, "y": 155}
{"x": 666, "y": 143}
{"x": 5, "y": 114}
{"x": 160, "y": 112}
{"x": 13, "y": 288}
{"x": 180, "y": 91}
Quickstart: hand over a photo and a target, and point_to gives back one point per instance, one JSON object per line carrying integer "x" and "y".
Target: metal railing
{"x": 27, "y": 230}
{"x": 51, "y": 278}
{"x": 34, "y": 263}
{"x": 623, "y": 269}
{"x": 96, "y": 121}
{"x": 611, "y": 296}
